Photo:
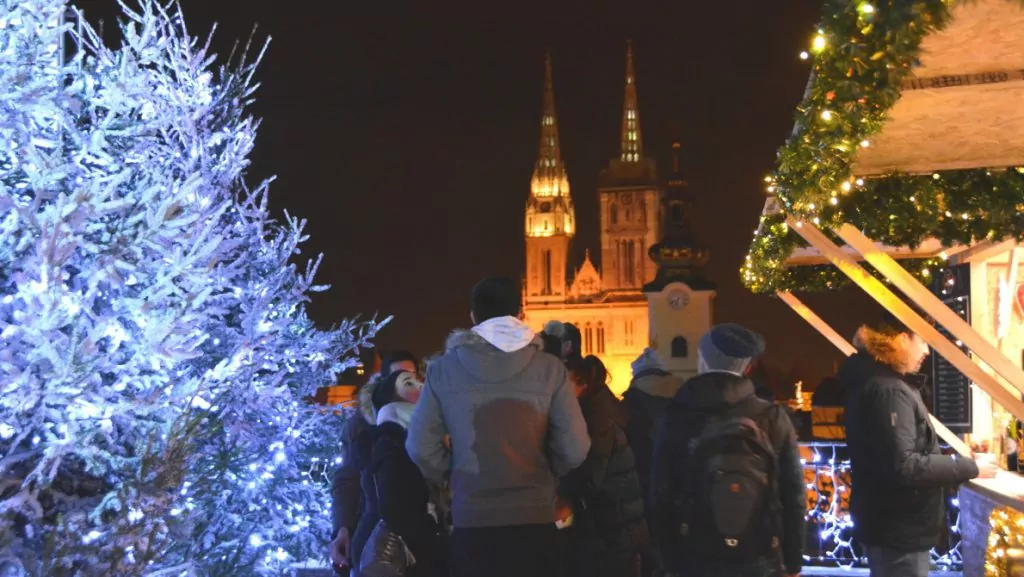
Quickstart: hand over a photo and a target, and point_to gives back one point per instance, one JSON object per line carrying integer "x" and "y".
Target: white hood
{"x": 508, "y": 334}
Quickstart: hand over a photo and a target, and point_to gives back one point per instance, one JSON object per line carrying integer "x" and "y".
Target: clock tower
{"x": 679, "y": 299}
{"x": 550, "y": 216}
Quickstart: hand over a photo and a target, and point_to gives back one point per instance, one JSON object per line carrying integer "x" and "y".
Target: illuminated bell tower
{"x": 550, "y": 218}
{"x": 630, "y": 199}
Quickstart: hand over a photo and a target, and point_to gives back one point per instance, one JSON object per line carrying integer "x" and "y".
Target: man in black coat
{"x": 899, "y": 474}
{"x": 689, "y": 535}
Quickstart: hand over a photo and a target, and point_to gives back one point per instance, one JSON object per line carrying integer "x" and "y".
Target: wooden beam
{"x": 982, "y": 251}
{"x": 817, "y": 322}
{"x": 962, "y": 330}
{"x": 902, "y": 311}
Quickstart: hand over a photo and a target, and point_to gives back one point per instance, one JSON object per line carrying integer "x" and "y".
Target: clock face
{"x": 625, "y": 198}
{"x": 678, "y": 299}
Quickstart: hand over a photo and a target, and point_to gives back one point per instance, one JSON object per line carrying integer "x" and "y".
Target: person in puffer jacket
{"x": 610, "y": 531}
{"x": 899, "y": 475}
{"x": 393, "y": 487}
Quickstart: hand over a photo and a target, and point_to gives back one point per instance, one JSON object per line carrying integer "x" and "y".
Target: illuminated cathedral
{"x": 648, "y": 291}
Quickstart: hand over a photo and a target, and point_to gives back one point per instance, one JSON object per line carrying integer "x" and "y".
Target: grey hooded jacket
{"x": 515, "y": 427}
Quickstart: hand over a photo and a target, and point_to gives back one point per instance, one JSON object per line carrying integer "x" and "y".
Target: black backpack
{"x": 730, "y": 509}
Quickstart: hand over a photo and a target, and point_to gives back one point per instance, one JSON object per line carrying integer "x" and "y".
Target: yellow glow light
{"x": 826, "y": 115}
{"x": 819, "y": 43}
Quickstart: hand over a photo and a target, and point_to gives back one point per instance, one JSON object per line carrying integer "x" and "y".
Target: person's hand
{"x": 339, "y": 548}
{"x": 987, "y": 469}
{"x": 562, "y": 511}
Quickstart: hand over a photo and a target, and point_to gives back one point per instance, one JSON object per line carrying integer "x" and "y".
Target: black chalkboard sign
{"x": 951, "y": 390}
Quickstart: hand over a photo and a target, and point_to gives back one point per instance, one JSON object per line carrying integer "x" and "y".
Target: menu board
{"x": 951, "y": 390}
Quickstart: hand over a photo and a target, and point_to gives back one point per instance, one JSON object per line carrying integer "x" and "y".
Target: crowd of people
{"x": 511, "y": 456}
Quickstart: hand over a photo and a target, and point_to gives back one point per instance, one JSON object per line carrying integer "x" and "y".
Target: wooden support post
{"x": 902, "y": 311}
{"x": 815, "y": 321}
{"x": 848, "y": 349}
{"x": 922, "y": 297}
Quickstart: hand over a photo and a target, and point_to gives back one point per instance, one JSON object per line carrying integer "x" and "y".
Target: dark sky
{"x": 405, "y": 132}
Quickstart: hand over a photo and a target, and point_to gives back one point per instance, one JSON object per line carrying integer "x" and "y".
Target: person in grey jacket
{"x": 514, "y": 427}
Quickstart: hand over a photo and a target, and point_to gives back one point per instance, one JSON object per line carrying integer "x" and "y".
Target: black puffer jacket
{"x": 394, "y": 490}
{"x": 723, "y": 393}
{"x": 899, "y": 474}
{"x": 610, "y": 529}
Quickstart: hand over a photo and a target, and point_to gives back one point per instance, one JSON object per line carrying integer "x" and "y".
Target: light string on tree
{"x": 1006, "y": 536}
{"x": 862, "y": 52}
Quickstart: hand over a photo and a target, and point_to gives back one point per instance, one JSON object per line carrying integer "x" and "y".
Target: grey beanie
{"x": 729, "y": 347}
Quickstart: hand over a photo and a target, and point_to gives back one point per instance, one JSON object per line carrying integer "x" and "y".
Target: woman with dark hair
{"x": 394, "y": 490}
{"x": 610, "y": 531}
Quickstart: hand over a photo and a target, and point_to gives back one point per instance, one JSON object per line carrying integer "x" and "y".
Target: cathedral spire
{"x": 549, "y": 157}
{"x": 549, "y": 177}
{"x": 632, "y": 141}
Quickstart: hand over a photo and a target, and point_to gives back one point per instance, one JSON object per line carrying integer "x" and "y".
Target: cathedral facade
{"x": 609, "y": 306}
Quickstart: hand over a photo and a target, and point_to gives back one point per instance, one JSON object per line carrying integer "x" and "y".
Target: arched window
{"x": 600, "y": 338}
{"x": 588, "y": 339}
{"x": 680, "y": 348}
{"x": 614, "y": 214}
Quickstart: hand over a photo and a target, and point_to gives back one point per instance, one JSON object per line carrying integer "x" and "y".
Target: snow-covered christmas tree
{"x": 154, "y": 350}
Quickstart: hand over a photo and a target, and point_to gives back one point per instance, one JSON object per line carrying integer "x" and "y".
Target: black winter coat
{"x": 899, "y": 474}
{"x": 394, "y": 490}
{"x": 346, "y": 496}
{"x": 719, "y": 393}
{"x": 610, "y": 531}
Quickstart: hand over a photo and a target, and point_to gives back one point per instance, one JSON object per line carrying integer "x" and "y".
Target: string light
{"x": 827, "y": 477}
{"x": 1007, "y": 534}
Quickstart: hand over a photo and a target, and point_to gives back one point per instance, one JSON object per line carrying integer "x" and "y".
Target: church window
{"x": 614, "y": 214}
{"x": 547, "y": 273}
{"x": 630, "y": 114}
{"x": 588, "y": 339}
{"x": 600, "y": 338}
{"x": 680, "y": 348}
{"x": 551, "y": 141}
{"x": 677, "y": 213}
{"x": 629, "y": 215}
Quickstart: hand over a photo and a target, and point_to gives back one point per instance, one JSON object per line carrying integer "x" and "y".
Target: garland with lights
{"x": 1007, "y": 533}
{"x": 862, "y": 54}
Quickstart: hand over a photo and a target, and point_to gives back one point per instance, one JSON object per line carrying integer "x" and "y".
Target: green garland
{"x": 864, "y": 51}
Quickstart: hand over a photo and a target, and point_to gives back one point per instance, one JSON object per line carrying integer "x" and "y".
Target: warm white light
{"x": 846, "y": 186}
{"x": 819, "y": 43}
{"x": 834, "y": 201}
{"x": 826, "y": 115}
{"x": 804, "y": 55}
{"x": 864, "y": 144}
{"x": 866, "y": 8}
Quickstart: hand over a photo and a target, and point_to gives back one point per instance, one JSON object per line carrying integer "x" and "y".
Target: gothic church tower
{"x": 630, "y": 198}
{"x": 550, "y": 218}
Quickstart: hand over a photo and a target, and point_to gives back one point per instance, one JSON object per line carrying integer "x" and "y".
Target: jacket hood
{"x": 714, "y": 390}
{"x": 886, "y": 349}
{"x": 364, "y": 400}
{"x": 657, "y": 383}
{"x": 484, "y": 361}
{"x": 860, "y": 368}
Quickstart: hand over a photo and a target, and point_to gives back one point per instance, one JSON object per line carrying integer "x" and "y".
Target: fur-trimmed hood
{"x": 886, "y": 349}
{"x": 486, "y": 362}
{"x": 365, "y": 399}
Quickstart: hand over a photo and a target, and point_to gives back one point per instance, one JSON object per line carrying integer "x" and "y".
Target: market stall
{"x": 905, "y": 176}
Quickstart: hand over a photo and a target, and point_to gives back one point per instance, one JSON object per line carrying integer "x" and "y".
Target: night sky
{"x": 405, "y": 132}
